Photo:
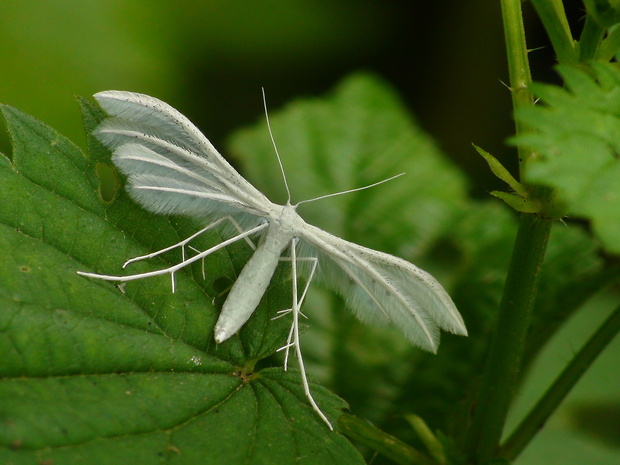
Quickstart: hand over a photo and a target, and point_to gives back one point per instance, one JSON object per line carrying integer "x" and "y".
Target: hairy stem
{"x": 518, "y": 67}
{"x": 504, "y": 359}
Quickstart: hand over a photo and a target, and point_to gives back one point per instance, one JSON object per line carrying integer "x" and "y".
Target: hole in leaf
{"x": 108, "y": 181}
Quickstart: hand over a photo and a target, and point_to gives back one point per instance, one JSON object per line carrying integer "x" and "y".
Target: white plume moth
{"x": 173, "y": 169}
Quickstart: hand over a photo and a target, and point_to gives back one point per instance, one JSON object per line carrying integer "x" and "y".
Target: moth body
{"x": 250, "y": 286}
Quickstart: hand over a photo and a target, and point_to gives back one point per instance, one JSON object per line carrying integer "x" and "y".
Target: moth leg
{"x": 314, "y": 261}
{"x": 295, "y": 336}
{"x": 184, "y": 242}
{"x": 286, "y": 347}
{"x": 171, "y": 270}
{"x": 286, "y": 311}
{"x": 202, "y": 262}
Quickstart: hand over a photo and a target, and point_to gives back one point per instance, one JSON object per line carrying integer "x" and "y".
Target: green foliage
{"x": 62, "y": 214}
{"x": 577, "y": 142}
{"x": 132, "y": 375}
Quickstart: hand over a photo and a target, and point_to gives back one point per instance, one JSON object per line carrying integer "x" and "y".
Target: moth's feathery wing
{"x": 172, "y": 167}
{"x": 379, "y": 287}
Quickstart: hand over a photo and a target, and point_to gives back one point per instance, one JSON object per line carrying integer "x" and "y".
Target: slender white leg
{"x": 295, "y": 334}
{"x": 284, "y": 312}
{"x": 184, "y": 242}
{"x": 202, "y": 262}
{"x": 178, "y": 266}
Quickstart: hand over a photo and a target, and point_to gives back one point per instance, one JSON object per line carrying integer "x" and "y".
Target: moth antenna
{"x": 275, "y": 147}
{"x": 350, "y": 190}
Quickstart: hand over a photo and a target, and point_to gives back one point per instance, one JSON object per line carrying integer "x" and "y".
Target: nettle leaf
{"x": 134, "y": 376}
{"x": 358, "y": 135}
{"x": 577, "y": 141}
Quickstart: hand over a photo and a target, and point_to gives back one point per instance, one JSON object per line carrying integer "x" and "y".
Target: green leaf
{"x": 517, "y": 202}
{"x": 520, "y": 201}
{"x": 577, "y": 142}
{"x": 359, "y": 134}
{"x": 131, "y": 377}
{"x": 501, "y": 172}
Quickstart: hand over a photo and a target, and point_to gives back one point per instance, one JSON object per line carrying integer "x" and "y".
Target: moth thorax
{"x": 289, "y": 219}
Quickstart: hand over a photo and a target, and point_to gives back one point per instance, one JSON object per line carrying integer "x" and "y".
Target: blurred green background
{"x": 209, "y": 60}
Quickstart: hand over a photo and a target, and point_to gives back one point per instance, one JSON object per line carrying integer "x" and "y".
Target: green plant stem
{"x": 503, "y": 363}
{"x": 518, "y": 67}
{"x": 433, "y": 445}
{"x": 610, "y": 45}
{"x": 385, "y": 444}
{"x": 591, "y": 39}
{"x": 556, "y": 393}
{"x": 505, "y": 354}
